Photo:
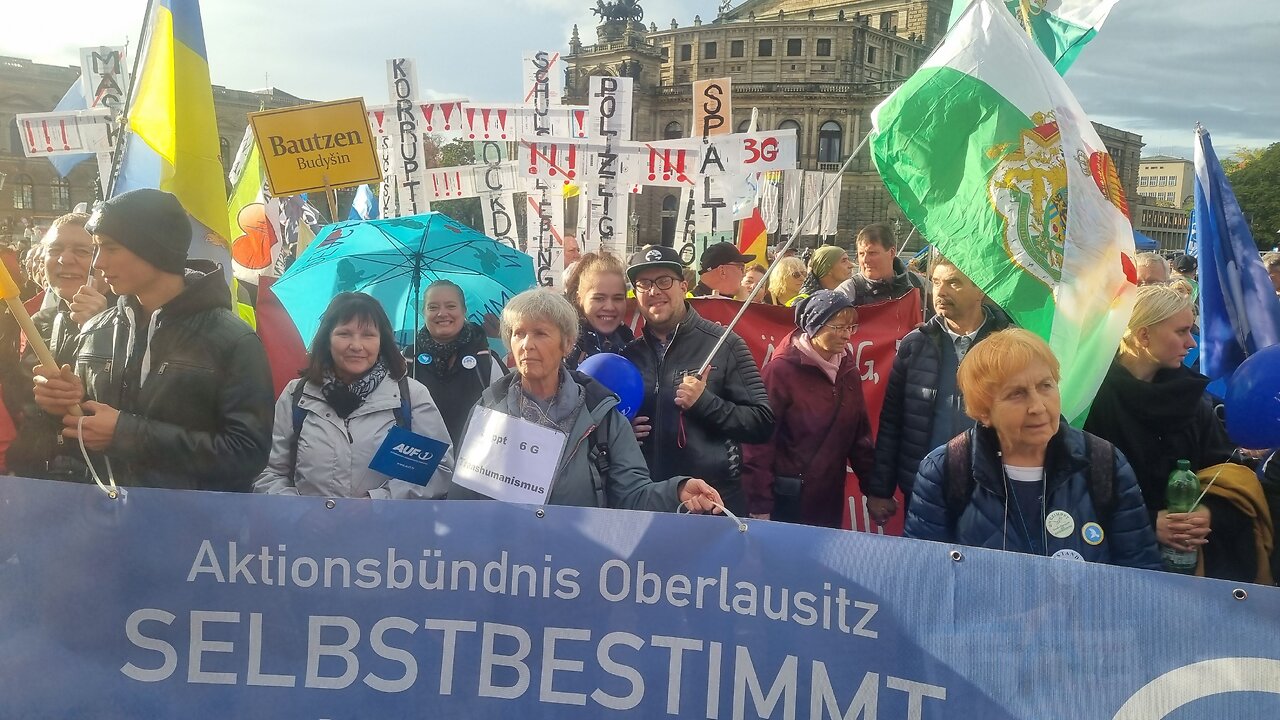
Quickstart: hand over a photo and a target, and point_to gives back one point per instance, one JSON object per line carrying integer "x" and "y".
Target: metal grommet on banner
{"x": 956, "y": 555}
{"x": 330, "y": 504}
{"x": 113, "y": 492}
{"x": 540, "y": 513}
{"x": 1240, "y": 594}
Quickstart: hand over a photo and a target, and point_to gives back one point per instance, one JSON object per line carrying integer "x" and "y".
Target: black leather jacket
{"x": 201, "y": 419}
{"x": 39, "y": 439}
{"x": 704, "y": 441}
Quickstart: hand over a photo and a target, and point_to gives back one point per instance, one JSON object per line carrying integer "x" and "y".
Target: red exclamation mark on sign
{"x": 448, "y": 110}
{"x": 485, "y": 115}
{"x": 427, "y": 111}
{"x": 457, "y": 182}
{"x": 533, "y": 159}
{"x": 48, "y": 141}
{"x": 66, "y": 142}
{"x": 681, "y": 161}
{"x": 380, "y": 117}
{"x": 580, "y": 121}
{"x": 573, "y": 163}
{"x": 502, "y": 124}
{"x": 551, "y": 160}
{"x": 653, "y": 164}
{"x": 435, "y": 183}
{"x": 471, "y": 123}
{"x": 31, "y": 137}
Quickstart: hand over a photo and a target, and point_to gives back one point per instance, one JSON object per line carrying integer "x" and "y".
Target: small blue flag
{"x": 365, "y": 205}
{"x": 1239, "y": 311}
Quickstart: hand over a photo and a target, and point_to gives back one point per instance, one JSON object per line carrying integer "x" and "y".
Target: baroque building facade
{"x": 33, "y": 194}
{"x": 818, "y": 66}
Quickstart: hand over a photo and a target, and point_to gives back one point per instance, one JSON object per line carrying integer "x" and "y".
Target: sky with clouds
{"x": 1157, "y": 67}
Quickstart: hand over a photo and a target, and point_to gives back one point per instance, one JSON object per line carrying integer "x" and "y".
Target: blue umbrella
{"x": 394, "y": 260}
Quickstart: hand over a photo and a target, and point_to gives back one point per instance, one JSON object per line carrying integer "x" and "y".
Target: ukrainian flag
{"x": 171, "y": 138}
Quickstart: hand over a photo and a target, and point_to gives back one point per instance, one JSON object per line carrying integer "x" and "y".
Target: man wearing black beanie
{"x": 175, "y": 387}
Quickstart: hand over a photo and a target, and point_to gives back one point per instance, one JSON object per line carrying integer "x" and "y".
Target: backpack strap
{"x": 404, "y": 413}
{"x": 299, "y": 417}
{"x": 1102, "y": 469}
{"x": 958, "y": 481}
{"x": 599, "y": 455}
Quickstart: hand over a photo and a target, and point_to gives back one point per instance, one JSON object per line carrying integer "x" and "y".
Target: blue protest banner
{"x": 406, "y": 455}
{"x": 218, "y": 605}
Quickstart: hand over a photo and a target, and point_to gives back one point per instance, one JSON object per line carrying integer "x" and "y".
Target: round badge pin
{"x": 424, "y": 359}
{"x": 1068, "y": 554}
{"x": 468, "y": 361}
{"x": 1092, "y": 533}
{"x": 1060, "y": 524}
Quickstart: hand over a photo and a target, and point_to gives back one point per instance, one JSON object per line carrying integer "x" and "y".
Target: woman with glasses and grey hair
{"x": 601, "y": 464}
{"x": 820, "y": 420}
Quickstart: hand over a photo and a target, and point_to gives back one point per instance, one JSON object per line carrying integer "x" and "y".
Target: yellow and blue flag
{"x": 171, "y": 134}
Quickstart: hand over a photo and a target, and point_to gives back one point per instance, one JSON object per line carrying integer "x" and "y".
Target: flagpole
{"x": 764, "y": 280}
{"x": 1026, "y": 19}
{"x": 144, "y": 41}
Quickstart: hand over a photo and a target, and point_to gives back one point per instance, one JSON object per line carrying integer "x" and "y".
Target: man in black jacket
{"x": 881, "y": 275}
{"x": 922, "y": 407}
{"x": 690, "y": 425}
{"x": 177, "y": 385}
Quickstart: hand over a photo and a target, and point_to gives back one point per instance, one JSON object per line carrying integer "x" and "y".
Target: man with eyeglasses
{"x": 70, "y": 300}
{"x": 689, "y": 425}
{"x": 722, "y": 270}
{"x": 922, "y": 407}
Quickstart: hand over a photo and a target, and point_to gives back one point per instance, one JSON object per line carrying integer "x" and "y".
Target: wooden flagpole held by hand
{"x": 764, "y": 280}
{"x": 12, "y": 297}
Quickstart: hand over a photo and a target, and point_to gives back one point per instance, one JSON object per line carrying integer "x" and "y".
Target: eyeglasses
{"x": 662, "y": 283}
{"x": 851, "y": 329}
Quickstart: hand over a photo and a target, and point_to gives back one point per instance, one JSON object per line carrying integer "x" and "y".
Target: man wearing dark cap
{"x": 175, "y": 387}
{"x": 721, "y": 270}
{"x": 690, "y": 425}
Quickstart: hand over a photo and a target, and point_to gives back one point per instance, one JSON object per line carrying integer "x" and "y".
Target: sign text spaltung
{"x": 309, "y": 147}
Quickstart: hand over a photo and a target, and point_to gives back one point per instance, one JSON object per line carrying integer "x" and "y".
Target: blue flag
{"x": 1239, "y": 312}
{"x": 365, "y": 205}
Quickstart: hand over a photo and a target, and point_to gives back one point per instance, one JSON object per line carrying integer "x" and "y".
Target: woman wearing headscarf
{"x": 1156, "y": 411}
{"x": 1024, "y": 480}
{"x": 451, "y": 356}
{"x": 599, "y": 293}
{"x": 829, "y": 266}
{"x": 331, "y": 422}
{"x": 601, "y": 464}
{"x": 821, "y": 424}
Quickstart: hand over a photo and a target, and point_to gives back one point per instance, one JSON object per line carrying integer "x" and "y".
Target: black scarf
{"x": 344, "y": 398}
{"x": 443, "y": 354}
{"x": 592, "y": 342}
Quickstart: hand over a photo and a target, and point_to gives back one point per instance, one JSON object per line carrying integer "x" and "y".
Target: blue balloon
{"x": 1253, "y": 401}
{"x": 619, "y": 375}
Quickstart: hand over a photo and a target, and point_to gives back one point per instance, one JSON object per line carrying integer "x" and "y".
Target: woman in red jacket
{"x": 821, "y": 425}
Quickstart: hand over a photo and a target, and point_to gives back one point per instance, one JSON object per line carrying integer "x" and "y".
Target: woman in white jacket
{"x": 330, "y": 422}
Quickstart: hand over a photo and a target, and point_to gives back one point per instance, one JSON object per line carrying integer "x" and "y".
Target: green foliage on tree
{"x": 1255, "y": 177}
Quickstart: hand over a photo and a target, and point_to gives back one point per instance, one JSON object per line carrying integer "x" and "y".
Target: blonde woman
{"x": 785, "y": 281}
{"x": 1156, "y": 411}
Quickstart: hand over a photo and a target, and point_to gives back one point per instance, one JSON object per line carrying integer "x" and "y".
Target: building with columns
{"x": 819, "y": 66}
{"x": 33, "y": 194}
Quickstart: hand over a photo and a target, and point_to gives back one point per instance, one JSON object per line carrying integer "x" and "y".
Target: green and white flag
{"x": 1061, "y": 27}
{"x": 989, "y": 154}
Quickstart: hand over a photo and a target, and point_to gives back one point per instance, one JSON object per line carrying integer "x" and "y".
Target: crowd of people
{"x": 160, "y": 383}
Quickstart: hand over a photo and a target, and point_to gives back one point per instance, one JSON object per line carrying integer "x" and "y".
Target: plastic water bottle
{"x": 1181, "y": 495}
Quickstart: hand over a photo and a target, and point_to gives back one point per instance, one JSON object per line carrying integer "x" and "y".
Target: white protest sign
{"x": 406, "y": 134}
{"x": 104, "y": 77}
{"x": 388, "y": 189}
{"x": 610, "y": 122}
{"x": 540, "y": 93}
{"x": 508, "y": 458}
{"x": 67, "y": 132}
